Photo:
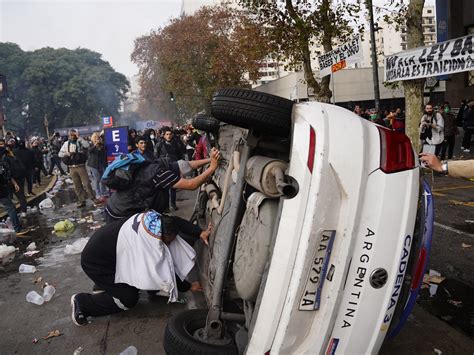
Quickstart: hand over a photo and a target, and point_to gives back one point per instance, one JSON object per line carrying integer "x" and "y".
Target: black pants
{"x": 448, "y": 145}
{"x": 466, "y": 140}
{"x": 37, "y": 173}
{"x": 29, "y": 180}
{"x": 56, "y": 161}
{"x": 20, "y": 195}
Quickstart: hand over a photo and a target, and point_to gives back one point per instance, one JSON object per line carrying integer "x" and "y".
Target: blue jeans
{"x": 11, "y": 210}
{"x": 97, "y": 185}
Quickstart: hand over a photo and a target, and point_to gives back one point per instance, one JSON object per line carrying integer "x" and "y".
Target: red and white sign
{"x": 107, "y": 121}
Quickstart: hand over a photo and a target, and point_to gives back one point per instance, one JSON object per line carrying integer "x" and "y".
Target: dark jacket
{"x": 26, "y": 156}
{"x": 449, "y": 124}
{"x": 38, "y": 156}
{"x": 468, "y": 118}
{"x": 173, "y": 150}
{"x": 18, "y": 170}
{"x": 97, "y": 157}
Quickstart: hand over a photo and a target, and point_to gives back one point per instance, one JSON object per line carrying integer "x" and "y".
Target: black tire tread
{"x": 177, "y": 342}
{"x": 205, "y": 123}
{"x": 253, "y": 110}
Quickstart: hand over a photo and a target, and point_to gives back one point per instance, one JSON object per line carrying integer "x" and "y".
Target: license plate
{"x": 311, "y": 297}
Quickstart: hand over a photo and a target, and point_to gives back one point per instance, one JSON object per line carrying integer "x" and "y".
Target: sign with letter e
{"x": 116, "y": 142}
{"x": 107, "y": 121}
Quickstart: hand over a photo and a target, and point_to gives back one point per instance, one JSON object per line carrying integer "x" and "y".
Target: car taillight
{"x": 312, "y": 148}
{"x": 396, "y": 153}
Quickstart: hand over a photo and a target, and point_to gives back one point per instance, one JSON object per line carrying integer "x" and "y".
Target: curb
{"x": 29, "y": 200}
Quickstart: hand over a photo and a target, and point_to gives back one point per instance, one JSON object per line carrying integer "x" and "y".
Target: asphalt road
{"x": 143, "y": 326}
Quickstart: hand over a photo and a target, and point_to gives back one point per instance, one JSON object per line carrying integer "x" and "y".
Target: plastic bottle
{"x": 34, "y": 297}
{"x": 27, "y": 269}
{"x": 131, "y": 350}
{"x": 48, "y": 293}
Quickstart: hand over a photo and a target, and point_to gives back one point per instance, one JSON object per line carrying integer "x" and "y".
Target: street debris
{"x": 48, "y": 292}
{"x": 37, "y": 280}
{"x": 6, "y": 250}
{"x": 31, "y": 252}
{"x": 34, "y": 340}
{"x": 131, "y": 350}
{"x": 52, "y": 334}
{"x": 69, "y": 181}
{"x": 27, "y": 269}
{"x": 77, "y": 247}
{"x": 437, "y": 351}
{"x": 35, "y": 298}
{"x": 31, "y": 246}
{"x": 95, "y": 227}
{"x": 64, "y": 226}
{"x": 434, "y": 279}
{"x": 469, "y": 221}
{"x": 46, "y": 203}
{"x": 466, "y": 246}
{"x": 78, "y": 351}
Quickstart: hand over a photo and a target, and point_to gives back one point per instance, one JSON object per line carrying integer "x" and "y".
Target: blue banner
{"x": 442, "y": 28}
{"x": 116, "y": 142}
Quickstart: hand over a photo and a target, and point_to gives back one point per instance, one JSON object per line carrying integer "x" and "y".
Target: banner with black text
{"x": 341, "y": 57}
{"x": 449, "y": 57}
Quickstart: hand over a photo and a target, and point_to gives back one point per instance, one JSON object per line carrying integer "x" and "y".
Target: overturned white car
{"x": 322, "y": 232}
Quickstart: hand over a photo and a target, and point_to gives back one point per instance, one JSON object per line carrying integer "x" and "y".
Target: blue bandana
{"x": 152, "y": 223}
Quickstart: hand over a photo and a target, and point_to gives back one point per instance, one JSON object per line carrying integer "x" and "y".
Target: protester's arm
{"x": 196, "y": 164}
{"x": 194, "y": 183}
{"x": 457, "y": 169}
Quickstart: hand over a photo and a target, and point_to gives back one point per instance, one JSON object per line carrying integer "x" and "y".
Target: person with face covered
{"x": 432, "y": 128}
{"x": 74, "y": 155}
{"x": 143, "y": 252}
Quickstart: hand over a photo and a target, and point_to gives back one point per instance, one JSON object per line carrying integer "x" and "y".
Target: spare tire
{"x": 253, "y": 110}
{"x": 180, "y": 336}
{"x": 205, "y": 123}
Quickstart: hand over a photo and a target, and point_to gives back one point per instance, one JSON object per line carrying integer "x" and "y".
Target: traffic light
{"x": 171, "y": 96}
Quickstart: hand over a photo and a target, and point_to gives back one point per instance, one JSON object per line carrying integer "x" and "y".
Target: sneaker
{"x": 465, "y": 150}
{"x": 22, "y": 231}
{"x": 97, "y": 289}
{"x": 78, "y": 318}
{"x": 81, "y": 204}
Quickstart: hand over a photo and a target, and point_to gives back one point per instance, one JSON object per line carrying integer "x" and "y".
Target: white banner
{"x": 341, "y": 57}
{"x": 453, "y": 56}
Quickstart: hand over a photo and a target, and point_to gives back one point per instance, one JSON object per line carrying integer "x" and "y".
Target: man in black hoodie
{"x": 27, "y": 158}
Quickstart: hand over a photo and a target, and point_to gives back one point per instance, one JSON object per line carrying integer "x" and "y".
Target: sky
{"x": 105, "y": 26}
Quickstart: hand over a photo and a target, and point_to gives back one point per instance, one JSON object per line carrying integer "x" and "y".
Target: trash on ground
{"x": 131, "y": 350}
{"x": 48, "y": 293}
{"x": 36, "y": 280}
{"x": 35, "y": 298}
{"x": 69, "y": 181}
{"x": 34, "y": 340}
{"x": 64, "y": 226}
{"x": 82, "y": 220}
{"x": 466, "y": 246}
{"x": 31, "y": 246}
{"x": 52, "y": 334}
{"x": 6, "y": 231}
{"x": 95, "y": 227}
{"x": 77, "y": 247}
{"x": 433, "y": 279}
{"x": 31, "y": 252}
{"x": 78, "y": 351}
{"x": 469, "y": 221}
{"x": 437, "y": 351}
{"x": 6, "y": 250}
{"x": 46, "y": 203}
{"x": 27, "y": 269}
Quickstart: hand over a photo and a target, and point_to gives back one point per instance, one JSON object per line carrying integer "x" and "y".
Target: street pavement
{"x": 143, "y": 326}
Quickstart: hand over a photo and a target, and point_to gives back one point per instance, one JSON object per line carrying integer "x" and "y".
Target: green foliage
{"x": 69, "y": 87}
{"x": 295, "y": 27}
{"x": 195, "y": 55}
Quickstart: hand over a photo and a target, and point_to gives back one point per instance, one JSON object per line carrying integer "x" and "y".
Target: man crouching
{"x": 143, "y": 252}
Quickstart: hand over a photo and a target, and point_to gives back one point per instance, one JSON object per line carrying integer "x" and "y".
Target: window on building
{"x": 404, "y": 47}
{"x": 429, "y": 11}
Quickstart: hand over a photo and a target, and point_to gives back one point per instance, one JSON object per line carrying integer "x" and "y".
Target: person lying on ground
{"x": 457, "y": 169}
{"x": 143, "y": 252}
{"x": 151, "y": 185}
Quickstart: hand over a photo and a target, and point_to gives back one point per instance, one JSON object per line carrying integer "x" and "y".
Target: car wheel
{"x": 253, "y": 110}
{"x": 205, "y": 123}
{"x": 181, "y": 336}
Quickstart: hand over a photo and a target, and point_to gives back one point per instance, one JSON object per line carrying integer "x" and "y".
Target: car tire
{"x": 253, "y": 110}
{"x": 205, "y": 123}
{"x": 179, "y": 337}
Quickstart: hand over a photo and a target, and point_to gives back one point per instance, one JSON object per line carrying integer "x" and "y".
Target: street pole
{"x": 375, "y": 67}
